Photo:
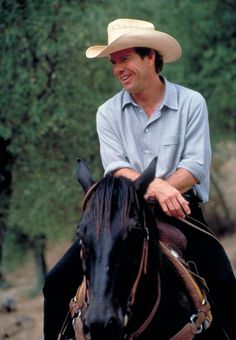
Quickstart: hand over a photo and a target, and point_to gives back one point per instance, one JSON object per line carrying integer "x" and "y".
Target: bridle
{"x": 88, "y": 195}
{"x": 199, "y": 321}
{"x": 142, "y": 270}
{"x": 131, "y": 300}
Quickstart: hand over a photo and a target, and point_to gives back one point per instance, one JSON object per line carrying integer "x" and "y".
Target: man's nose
{"x": 118, "y": 68}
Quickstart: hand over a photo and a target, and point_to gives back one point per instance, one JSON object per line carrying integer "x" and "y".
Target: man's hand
{"x": 169, "y": 198}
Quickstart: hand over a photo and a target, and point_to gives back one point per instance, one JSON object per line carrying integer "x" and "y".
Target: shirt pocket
{"x": 170, "y": 152}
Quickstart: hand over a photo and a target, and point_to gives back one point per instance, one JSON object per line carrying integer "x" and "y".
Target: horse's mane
{"x": 112, "y": 194}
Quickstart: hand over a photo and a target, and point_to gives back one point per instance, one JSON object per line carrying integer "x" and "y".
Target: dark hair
{"x": 144, "y": 51}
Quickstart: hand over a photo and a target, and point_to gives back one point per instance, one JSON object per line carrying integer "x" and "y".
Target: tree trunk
{"x": 38, "y": 247}
{"x": 6, "y": 162}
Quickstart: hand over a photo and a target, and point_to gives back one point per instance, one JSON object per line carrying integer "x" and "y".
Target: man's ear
{"x": 152, "y": 56}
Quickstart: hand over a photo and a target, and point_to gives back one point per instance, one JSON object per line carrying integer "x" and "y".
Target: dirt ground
{"x": 26, "y": 322}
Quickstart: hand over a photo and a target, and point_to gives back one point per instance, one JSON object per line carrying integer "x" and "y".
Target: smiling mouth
{"x": 125, "y": 78}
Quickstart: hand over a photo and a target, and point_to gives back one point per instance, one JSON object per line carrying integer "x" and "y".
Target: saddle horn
{"x": 83, "y": 175}
{"x": 142, "y": 182}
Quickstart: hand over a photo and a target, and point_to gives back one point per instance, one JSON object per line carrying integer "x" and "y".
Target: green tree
{"x": 50, "y": 94}
{"x": 45, "y": 114}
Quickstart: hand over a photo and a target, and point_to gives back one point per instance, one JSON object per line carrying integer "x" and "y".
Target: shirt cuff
{"x": 194, "y": 168}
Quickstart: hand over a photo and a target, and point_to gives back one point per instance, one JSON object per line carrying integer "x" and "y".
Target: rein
{"x": 143, "y": 269}
{"x": 146, "y": 323}
{"x": 199, "y": 321}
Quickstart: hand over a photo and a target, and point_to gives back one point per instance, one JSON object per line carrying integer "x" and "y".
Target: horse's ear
{"x": 83, "y": 175}
{"x": 143, "y": 181}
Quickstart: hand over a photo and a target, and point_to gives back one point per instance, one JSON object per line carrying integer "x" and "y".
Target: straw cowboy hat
{"x": 128, "y": 33}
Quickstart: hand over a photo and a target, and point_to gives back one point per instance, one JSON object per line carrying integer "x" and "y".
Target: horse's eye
{"x": 134, "y": 223}
{"x": 81, "y": 229}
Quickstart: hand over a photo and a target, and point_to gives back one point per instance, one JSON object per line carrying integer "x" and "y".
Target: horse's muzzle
{"x": 103, "y": 322}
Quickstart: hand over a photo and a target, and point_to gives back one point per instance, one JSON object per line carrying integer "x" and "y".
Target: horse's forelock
{"x": 112, "y": 194}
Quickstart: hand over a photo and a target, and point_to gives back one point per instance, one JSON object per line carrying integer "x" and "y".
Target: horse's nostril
{"x": 112, "y": 322}
{"x": 107, "y": 330}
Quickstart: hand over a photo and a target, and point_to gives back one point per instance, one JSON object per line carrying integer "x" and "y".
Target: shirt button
{"x": 146, "y": 130}
{"x": 146, "y": 151}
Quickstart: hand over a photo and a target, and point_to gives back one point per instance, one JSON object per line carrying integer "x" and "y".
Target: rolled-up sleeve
{"x": 196, "y": 157}
{"x": 112, "y": 152}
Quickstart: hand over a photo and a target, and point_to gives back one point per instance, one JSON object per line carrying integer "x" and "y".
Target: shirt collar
{"x": 127, "y": 99}
{"x": 170, "y": 97}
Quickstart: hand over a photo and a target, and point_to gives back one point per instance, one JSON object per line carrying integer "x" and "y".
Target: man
{"x": 152, "y": 117}
{"x": 149, "y": 117}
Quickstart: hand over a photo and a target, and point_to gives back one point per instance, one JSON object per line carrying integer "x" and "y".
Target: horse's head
{"x": 111, "y": 229}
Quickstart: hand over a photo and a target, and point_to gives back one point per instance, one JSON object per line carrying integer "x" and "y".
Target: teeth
{"x": 124, "y": 78}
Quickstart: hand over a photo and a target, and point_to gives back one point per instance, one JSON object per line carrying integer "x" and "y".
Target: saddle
{"x": 172, "y": 237}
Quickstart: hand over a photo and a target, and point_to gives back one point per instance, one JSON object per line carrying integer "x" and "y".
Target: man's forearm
{"x": 182, "y": 180}
{"x": 169, "y": 192}
{"x": 127, "y": 172}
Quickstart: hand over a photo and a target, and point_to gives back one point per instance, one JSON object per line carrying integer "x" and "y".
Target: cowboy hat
{"x": 128, "y": 33}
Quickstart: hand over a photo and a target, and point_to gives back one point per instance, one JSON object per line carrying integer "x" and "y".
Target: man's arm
{"x": 128, "y": 173}
{"x": 167, "y": 192}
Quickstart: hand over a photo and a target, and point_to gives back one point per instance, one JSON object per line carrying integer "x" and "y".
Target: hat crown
{"x": 120, "y": 27}
{"x": 130, "y": 33}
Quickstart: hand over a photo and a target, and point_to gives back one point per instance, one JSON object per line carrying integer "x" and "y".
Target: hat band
{"x": 115, "y": 34}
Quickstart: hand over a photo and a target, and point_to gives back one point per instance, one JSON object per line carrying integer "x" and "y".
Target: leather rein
{"x": 131, "y": 300}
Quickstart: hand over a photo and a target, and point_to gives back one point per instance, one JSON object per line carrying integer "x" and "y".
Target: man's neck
{"x": 151, "y": 97}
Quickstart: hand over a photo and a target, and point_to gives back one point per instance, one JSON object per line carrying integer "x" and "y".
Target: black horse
{"x": 136, "y": 286}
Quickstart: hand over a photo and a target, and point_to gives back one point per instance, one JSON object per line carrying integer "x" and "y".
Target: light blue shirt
{"x": 177, "y": 133}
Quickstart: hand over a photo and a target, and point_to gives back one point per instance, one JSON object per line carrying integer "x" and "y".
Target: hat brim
{"x": 162, "y": 42}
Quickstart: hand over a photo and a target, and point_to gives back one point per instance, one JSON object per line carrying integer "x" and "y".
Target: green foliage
{"x": 208, "y": 61}
{"x": 50, "y": 91}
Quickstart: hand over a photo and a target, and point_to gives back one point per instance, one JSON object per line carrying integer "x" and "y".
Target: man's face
{"x": 131, "y": 70}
